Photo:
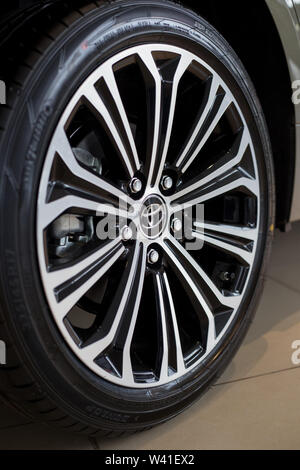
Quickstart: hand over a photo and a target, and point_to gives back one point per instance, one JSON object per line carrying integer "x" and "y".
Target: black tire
{"x": 43, "y": 377}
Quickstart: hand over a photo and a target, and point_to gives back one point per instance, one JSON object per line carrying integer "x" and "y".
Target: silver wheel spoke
{"x": 52, "y": 210}
{"x": 172, "y": 357}
{"x": 217, "y": 190}
{"x": 137, "y": 295}
{"x": 166, "y": 87}
{"x": 177, "y": 263}
{"x": 111, "y": 83}
{"x": 235, "y": 231}
{"x": 215, "y": 182}
{"x": 225, "y": 246}
{"x": 95, "y": 101}
{"x": 122, "y": 316}
{"x": 238, "y": 241}
{"x": 87, "y": 187}
{"x": 62, "y": 147}
{"x": 216, "y": 104}
{"x": 227, "y": 301}
{"x": 71, "y": 283}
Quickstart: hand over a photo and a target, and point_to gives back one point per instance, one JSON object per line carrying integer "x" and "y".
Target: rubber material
{"x": 61, "y": 46}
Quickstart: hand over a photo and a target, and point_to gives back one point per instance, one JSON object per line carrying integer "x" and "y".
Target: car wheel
{"x": 137, "y": 204}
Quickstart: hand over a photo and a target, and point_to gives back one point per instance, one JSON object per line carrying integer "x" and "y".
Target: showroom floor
{"x": 255, "y": 405}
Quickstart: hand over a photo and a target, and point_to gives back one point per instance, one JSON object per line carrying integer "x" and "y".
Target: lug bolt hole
{"x": 126, "y": 233}
{"x": 153, "y": 257}
{"x": 135, "y": 185}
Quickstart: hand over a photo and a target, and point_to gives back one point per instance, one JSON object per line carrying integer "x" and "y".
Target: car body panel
{"x": 296, "y": 200}
{"x": 286, "y": 17}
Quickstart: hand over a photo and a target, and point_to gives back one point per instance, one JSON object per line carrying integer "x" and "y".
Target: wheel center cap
{"x": 153, "y": 216}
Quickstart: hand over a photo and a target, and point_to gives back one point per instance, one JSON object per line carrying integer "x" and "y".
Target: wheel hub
{"x": 153, "y": 217}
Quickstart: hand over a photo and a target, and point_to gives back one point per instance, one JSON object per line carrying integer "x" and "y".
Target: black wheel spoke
{"x": 214, "y": 105}
{"x": 110, "y": 346}
{"x": 106, "y": 103}
{"x": 211, "y": 306}
{"x": 171, "y": 352}
{"x": 231, "y": 173}
{"x": 70, "y": 284}
{"x": 162, "y": 86}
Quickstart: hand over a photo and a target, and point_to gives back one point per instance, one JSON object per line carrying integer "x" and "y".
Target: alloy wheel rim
{"x": 136, "y": 323}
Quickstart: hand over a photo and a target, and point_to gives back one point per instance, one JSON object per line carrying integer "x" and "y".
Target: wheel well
{"x": 252, "y": 33}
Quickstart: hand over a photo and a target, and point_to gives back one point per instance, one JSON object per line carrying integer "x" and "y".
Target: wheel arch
{"x": 256, "y": 40}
